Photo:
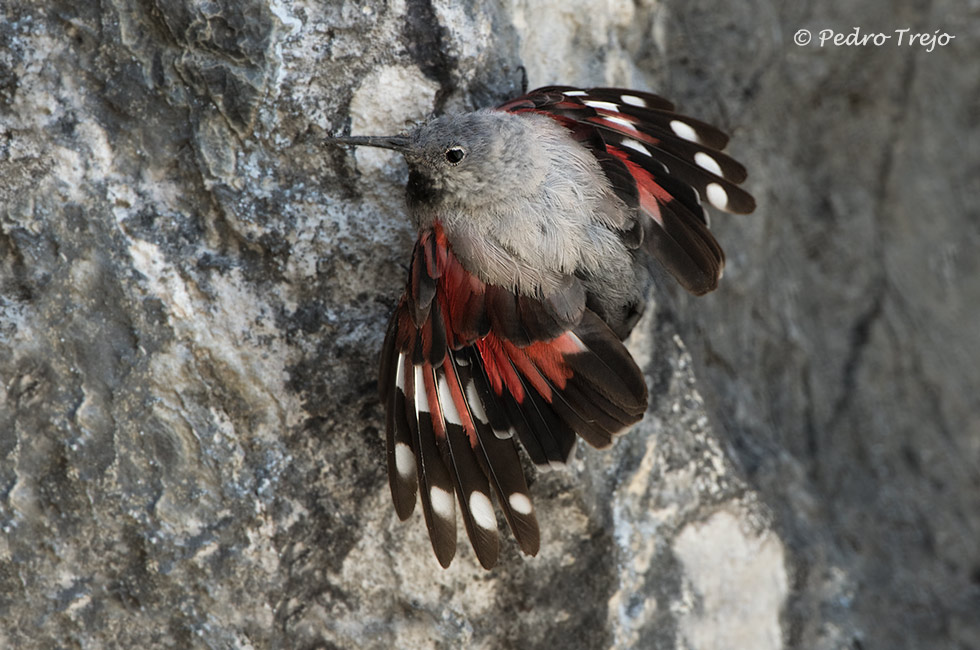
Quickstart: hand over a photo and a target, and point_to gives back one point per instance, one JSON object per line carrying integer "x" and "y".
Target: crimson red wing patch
{"x": 460, "y": 387}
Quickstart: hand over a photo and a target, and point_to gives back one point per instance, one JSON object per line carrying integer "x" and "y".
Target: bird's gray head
{"x": 462, "y": 162}
{"x": 522, "y": 202}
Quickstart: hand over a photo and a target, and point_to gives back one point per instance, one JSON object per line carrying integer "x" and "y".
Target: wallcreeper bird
{"x": 536, "y": 222}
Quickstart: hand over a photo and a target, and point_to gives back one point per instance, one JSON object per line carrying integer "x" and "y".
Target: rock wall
{"x": 193, "y": 293}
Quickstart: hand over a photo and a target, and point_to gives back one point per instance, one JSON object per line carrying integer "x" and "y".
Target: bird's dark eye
{"x": 455, "y": 155}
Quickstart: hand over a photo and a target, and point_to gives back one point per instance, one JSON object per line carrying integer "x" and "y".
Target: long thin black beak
{"x": 398, "y": 143}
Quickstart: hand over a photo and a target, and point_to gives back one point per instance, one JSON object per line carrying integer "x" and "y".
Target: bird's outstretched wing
{"x": 658, "y": 161}
{"x": 468, "y": 367}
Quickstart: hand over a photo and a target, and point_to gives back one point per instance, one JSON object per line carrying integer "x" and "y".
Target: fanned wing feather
{"x": 402, "y": 465}
{"x": 436, "y": 486}
{"x": 671, "y": 162}
{"x": 472, "y": 366}
{"x": 471, "y": 486}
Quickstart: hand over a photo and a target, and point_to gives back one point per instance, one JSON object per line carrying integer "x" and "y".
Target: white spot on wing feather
{"x": 609, "y": 106}
{"x": 442, "y": 503}
{"x": 404, "y": 460}
{"x": 717, "y": 196}
{"x": 482, "y": 510}
{"x": 685, "y": 131}
{"x": 400, "y": 373}
{"x": 707, "y": 162}
{"x": 626, "y": 124}
{"x": 633, "y": 100}
{"x": 421, "y": 401}
{"x": 476, "y": 406}
{"x": 449, "y": 411}
{"x": 520, "y": 503}
{"x": 636, "y": 146}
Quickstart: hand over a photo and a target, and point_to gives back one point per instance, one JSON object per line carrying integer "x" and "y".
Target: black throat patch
{"x": 420, "y": 191}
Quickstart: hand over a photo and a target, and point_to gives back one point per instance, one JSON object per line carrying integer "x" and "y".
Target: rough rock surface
{"x": 193, "y": 293}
